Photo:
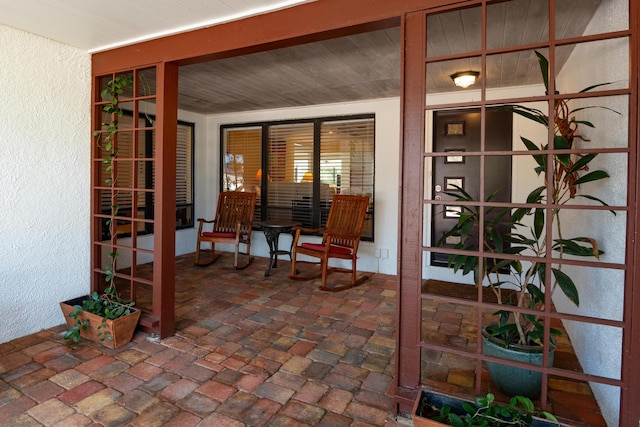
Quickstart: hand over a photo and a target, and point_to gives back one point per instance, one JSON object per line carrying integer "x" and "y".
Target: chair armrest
{"x": 201, "y": 223}
{"x": 309, "y": 230}
{"x": 206, "y": 220}
{"x": 299, "y": 230}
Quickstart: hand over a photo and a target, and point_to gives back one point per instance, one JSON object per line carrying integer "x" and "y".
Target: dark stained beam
{"x": 164, "y": 238}
{"x": 410, "y": 228}
{"x": 305, "y": 23}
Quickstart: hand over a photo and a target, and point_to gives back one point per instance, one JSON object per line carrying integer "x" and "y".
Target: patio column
{"x": 164, "y": 241}
{"x": 410, "y": 227}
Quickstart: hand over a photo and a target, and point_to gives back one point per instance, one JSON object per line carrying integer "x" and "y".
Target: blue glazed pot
{"x": 509, "y": 379}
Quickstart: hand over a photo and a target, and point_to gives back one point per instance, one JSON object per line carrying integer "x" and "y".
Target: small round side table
{"x": 272, "y": 231}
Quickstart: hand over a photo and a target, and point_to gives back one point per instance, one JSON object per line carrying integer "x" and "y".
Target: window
{"x": 145, "y": 175}
{"x": 184, "y": 175}
{"x": 297, "y": 166}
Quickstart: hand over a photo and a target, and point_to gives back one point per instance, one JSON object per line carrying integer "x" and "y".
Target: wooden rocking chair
{"x": 341, "y": 238}
{"x": 232, "y": 224}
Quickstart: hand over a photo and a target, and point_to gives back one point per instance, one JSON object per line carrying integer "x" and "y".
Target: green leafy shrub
{"x": 485, "y": 412}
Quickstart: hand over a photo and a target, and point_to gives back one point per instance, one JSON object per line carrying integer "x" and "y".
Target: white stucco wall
{"x": 387, "y": 131}
{"x": 45, "y": 131}
{"x": 599, "y": 348}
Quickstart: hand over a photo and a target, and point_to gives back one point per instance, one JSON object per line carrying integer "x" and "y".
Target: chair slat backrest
{"x": 234, "y": 206}
{"x": 346, "y": 219}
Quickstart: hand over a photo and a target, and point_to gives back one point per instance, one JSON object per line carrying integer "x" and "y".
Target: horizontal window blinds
{"x": 290, "y": 160}
{"x": 242, "y": 159}
{"x": 184, "y": 162}
{"x": 296, "y": 167}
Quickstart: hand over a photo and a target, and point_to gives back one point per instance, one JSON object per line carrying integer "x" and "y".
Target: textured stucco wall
{"x": 44, "y": 180}
{"x": 599, "y": 348}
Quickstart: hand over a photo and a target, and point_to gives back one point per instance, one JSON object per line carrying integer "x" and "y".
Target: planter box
{"x": 426, "y": 401}
{"x": 120, "y": 330}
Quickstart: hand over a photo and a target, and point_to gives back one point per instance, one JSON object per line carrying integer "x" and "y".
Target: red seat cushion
{"x": 320, "y": 248}
{"x": 219, "y": 234}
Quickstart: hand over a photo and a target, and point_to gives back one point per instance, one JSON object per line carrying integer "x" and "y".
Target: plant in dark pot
{"x": 519, "y": 333}
{"x": 104, "y": 316}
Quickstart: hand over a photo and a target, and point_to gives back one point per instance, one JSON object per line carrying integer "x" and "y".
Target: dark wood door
{"x": 459, "y": 131}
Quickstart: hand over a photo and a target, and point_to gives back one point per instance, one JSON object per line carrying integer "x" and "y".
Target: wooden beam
{"x": 411, "y": 187}
{"x": 164, "y": 238}
{"x": 308, "y": 22}
{"x": 630, "y": 395}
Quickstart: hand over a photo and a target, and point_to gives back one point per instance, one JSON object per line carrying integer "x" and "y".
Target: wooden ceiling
{"x": 367, "y": 66}
{"x": 362, "y": 66}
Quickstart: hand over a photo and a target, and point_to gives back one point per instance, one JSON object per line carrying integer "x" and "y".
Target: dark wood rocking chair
{"x": 232, "y": 224}
{"x": 340, "y": 239}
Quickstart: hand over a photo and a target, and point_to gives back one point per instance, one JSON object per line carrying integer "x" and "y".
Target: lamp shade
{"x": 259, "y": 175}
{"x": 465, "y": 79}
{"x": 308, "y": 176}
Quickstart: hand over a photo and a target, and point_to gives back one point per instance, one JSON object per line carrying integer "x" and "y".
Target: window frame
{"x": 317, "y": 205}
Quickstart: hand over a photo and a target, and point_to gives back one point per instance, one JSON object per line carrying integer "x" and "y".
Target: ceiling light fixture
{"x": 465, "y": 79}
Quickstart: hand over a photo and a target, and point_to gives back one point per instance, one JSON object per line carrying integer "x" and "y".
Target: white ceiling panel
{"x": 96, "y": 25}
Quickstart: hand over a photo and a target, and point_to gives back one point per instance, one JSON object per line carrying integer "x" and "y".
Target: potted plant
{"x": 517, "y": 335}
{"x": 435, "y": 409}
{"x": 104, "y": 316}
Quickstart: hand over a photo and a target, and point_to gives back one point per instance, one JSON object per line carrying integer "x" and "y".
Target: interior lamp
{"x": 307, "y": 177}
{"x": 259, "y": 175}
{"x": 465, "y": 79}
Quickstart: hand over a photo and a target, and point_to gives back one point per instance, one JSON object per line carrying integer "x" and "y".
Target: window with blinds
{"x": 137, "y": 170}
{"x": 297, "y": 166}
{"x": 347, "y": 161}
{"x": 184, "y": 175}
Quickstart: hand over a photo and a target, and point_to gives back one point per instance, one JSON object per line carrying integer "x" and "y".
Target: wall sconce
{"x": 465, "y": 79}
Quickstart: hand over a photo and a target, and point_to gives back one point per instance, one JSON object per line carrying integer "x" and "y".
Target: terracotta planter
{"x": 120, "y": 330}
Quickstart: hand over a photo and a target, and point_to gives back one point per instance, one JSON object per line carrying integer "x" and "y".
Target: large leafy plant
{"x": 523, "y": 284}
{"x": 107, "y": 304}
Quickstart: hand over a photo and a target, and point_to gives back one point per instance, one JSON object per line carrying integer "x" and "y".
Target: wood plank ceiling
{"x": 367, "y": 66}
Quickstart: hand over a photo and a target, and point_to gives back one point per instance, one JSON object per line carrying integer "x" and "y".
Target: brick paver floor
{"x": 249, "y": 350}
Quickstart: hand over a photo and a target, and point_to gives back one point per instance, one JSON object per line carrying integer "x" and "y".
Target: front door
{"x": 459, "y": 131}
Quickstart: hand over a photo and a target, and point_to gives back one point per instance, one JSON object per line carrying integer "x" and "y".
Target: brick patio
{"x": 248, "y": 350}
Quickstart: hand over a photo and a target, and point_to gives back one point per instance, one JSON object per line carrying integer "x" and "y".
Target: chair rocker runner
{"x": 341, "y": 237}
{"x": 232, "y": 224}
